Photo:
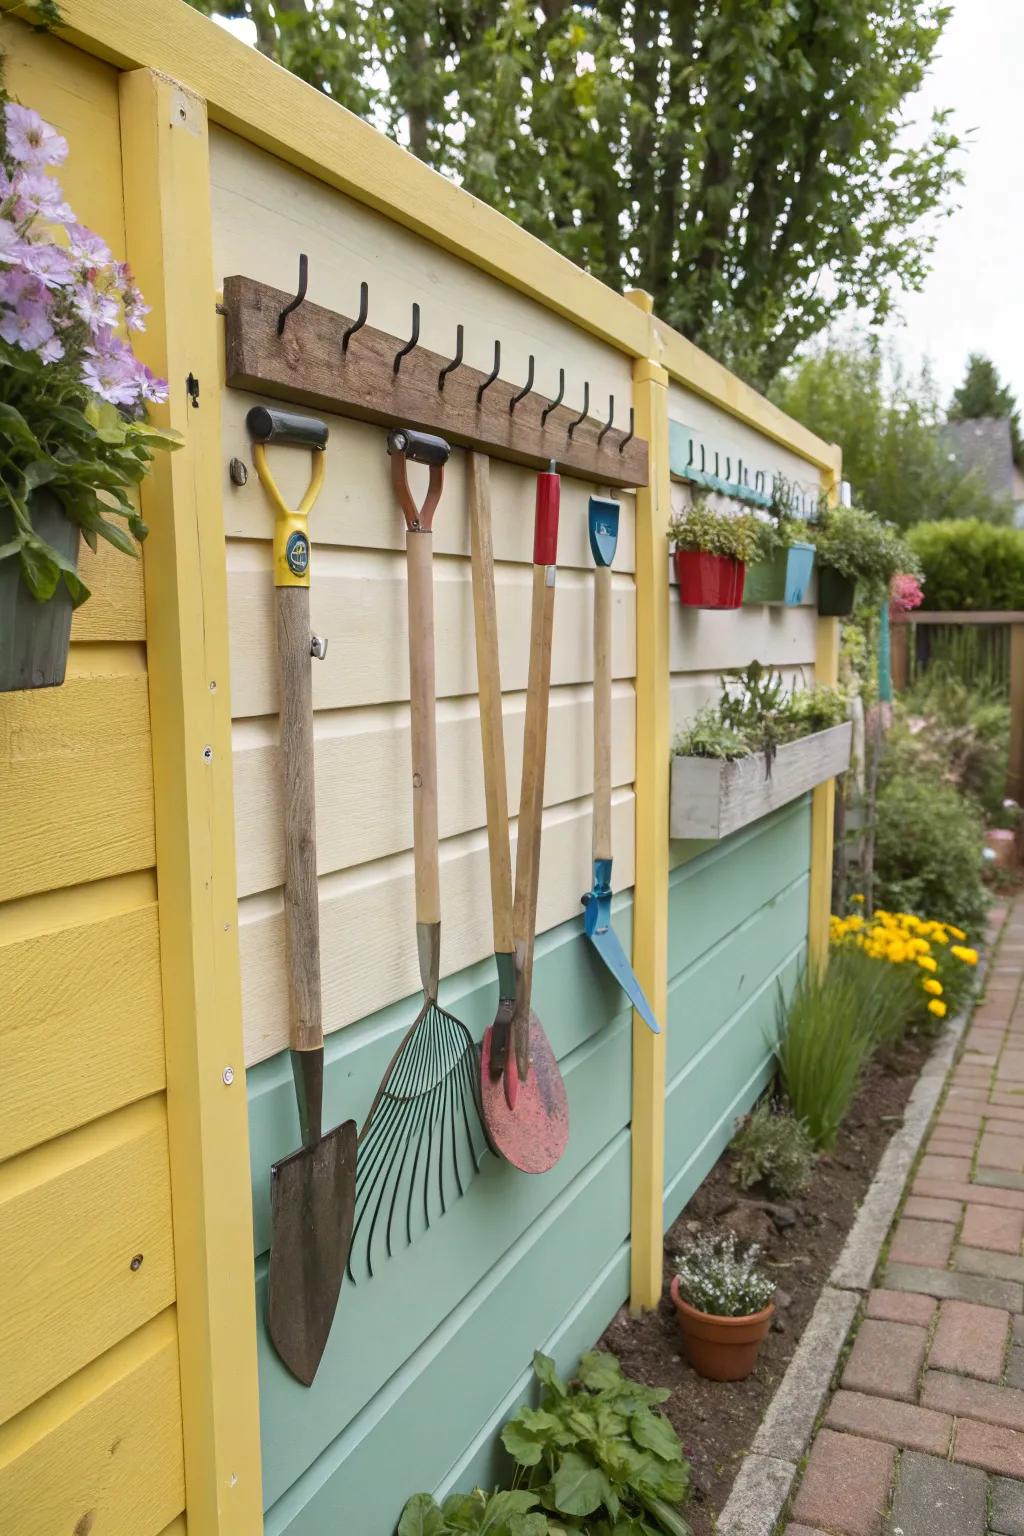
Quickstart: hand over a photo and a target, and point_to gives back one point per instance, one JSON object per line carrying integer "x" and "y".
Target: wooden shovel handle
{"x": 301, "y": 903}
{"x": 531, "y": 800}
{"x": 419, "y": 549}
{"x": 603, "y": 712}
{"x": 492, "y": 731}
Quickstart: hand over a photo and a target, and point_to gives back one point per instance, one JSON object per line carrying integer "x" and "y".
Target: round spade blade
{"x": 533, "y": 1136}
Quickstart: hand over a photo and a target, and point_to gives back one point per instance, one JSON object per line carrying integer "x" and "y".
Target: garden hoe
{"x": 312, "y": 1192}
{"x": 524, "y": 1101}
{"x": 603, "y": 521}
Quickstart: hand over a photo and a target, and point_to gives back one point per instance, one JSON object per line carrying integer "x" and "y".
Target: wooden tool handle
{"x": 301, "y": 904}
{"x": 531, "y": 800}
{"x": 492, "y": 731}
{"x": 419, "y": 548}
{"x": 602, "y": 712}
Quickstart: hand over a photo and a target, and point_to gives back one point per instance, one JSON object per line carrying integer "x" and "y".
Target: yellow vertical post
{"x": 165, "y": 157}
{"x": 823, "y": 797}
{"x": 650, "y": 909}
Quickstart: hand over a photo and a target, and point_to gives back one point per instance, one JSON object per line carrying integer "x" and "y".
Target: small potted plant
{"x": 855, "y": 548}
{"x": 782, "y": 571}
{"x": 724, "y": 1307}
{"x": 710, "y": 551}
{"x": 73, "y": 437}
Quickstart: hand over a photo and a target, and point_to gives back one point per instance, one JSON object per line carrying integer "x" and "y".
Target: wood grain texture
{"x": 102, "y": 1452}
{"x": 492, "y": 725}
{"x": 308, "y": 366}
{"x": 117, "y": 608}
{"x": 423, "y": 728}
{"x": 531, "y": 790}
{"x": 359, "y": 602}
{"x": 301, "y": 907}
{"x": 73, "y": 1214}
{"x": 364, "y": 969}
{"x": 711, "y": 798}
{"x": 602, "y": 712}
{"x": 86, "y": 1023}
{"x": 78, "y": 783}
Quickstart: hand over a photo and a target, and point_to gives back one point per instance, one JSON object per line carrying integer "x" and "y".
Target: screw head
{"x": 207, "y": 754}
{"x": 136, "y": 1263}
{"x": 228, "y": 1075}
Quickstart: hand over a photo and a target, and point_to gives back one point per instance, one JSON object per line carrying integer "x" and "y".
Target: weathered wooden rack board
{"x": 711, "y": 798}
{"x": 307, "y": 366}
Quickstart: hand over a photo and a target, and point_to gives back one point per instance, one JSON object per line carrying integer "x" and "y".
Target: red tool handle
{"x": 545, "y": 525}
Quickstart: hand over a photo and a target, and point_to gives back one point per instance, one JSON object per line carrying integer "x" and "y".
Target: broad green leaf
{"x": 116, "y": 536}
{"x": 544, "y": 1370}
{"x": 655, "y": 1433}
{"x": 16, "y": 429}
{"x": 579, "y": 1486}
{"x": 600, "y": 1371}
{"x": 669, "y": 1519}
{"x": 421, "y": 1517}
{"x": 39, "y": 472}
{"x": 523, "y": 1446}
{"x": 39, "y": 569}
{"x": 462, "y": 1511}
{"x": 13, "y": 547}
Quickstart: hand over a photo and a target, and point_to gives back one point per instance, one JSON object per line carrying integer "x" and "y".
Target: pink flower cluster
{"x": 61, "y": 297}
{"x": 905, "y": 594}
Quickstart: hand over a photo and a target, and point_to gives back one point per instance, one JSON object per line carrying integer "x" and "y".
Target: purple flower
{"x": 17, "y": 284}
{"x": 98, "y": 310}
{"x": 112, "y": 378}
{"x": 10, "y": 241}
{"x": 31, "y": 141}
{"x": 87, "y": 247}
{"x": 135, "y": 311}
{"x": 47, "y": 262}
{"x": 150, "y": 387}
{"x": 37, "y": 193}
{"x": 28, "y": 326}
{"x": 52, "y": 351}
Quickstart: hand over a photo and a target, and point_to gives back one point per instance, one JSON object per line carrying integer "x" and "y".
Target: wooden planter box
{"x": 711, "y": 798}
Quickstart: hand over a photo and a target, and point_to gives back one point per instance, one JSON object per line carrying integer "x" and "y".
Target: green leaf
{"x": 114, "y": 535}
{"x": 669, "y": 1519}
{"x": 13, "y": 547}
{"x": 655, "y": 1433}
{"x": 421, "y": 1517}
{"x": 579, "y": 1486}
{"x": 462, "y": 1511}
{"x": 521, "y": 1445}
{"x": 600, "y": 1371}
{"x": 40, "y": 569}
{"x": 16, "y": 429}
{"x": 39, "y": 472}
{"x": 544, "y": 1370}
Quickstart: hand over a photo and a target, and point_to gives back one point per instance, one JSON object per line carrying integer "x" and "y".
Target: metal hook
{"x": 303, "y": 281}
{"x": 629, "y": 435}
{"x": 491, "y": 376}
{"x": 546, "y": 412}
{"x": 728, "y": 466}
{"x": 716, "y": 464}
{"x": 759, "y": 481}
{"x": 456, "y": 361}
{"x": 702, "y": 464}
{"x": 413, "y": 339}
{"x": 525, "y": 389}
{"x": 583, "y": 414}
{"x": 689, "y": 461}
{"x": 608, "y": 424}
{"x": 360, "y": 319}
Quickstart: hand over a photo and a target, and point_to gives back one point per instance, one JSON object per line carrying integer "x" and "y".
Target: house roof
{"x": 983, "y": 445}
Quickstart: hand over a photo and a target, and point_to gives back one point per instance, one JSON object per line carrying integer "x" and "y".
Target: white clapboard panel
{"x": 357, "y": 507}
{"x": 710, "y": 640}
{"x": 364, "y": 800}
{"x": 358, "y": 600}
{"x": 367, "y": 922}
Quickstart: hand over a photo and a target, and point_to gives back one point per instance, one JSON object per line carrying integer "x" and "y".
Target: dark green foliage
{"x": 822, "y": 1044}
{"x": 463, "y": 1514}
{"x": 722, "y": 154}
{"x": 983, "y": 393}
{"x": 970, "y": 566}
{"x": 928, "y": 843}
{"x": 773, "y": 1148}
{"x": 598, "y": 1453}
{"x": 954, "y": 730}
{"x": 887, "y": 423}
{"x": 859, "y": 546}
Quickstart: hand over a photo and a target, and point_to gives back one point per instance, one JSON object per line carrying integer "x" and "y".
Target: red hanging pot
{"x": 708, "y": 581}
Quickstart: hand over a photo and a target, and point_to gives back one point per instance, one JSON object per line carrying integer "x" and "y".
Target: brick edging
{"x": 765, "y": 1478}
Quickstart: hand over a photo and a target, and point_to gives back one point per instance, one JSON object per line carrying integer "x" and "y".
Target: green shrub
{"x": 970, "y": 565}
{"x": 928, "y": 851}
{"x": 945, "y": 728}
{"x": 772, "y": 1148}
{"x": 822, "y": 1043}
{"x": 715, "y": 1279}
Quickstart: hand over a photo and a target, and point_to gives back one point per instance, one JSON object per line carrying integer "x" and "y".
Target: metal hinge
{"x": 192, "y": 385}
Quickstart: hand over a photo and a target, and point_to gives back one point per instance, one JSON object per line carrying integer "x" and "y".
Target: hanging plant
{"x": 857, "y": 550}
{"x": 710, "y": 551}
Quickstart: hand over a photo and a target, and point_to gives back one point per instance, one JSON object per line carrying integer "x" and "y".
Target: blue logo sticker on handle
{"x": 296, "y": 552}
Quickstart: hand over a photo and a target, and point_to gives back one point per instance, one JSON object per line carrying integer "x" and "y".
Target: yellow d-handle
{"x": 291, "y": 531}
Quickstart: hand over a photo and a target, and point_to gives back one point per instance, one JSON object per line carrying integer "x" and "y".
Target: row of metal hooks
{"x": 456, "y": 363}
{"x": 795, "y": 498}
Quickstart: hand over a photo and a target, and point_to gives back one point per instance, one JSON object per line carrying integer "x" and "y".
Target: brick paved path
{"x": 925, "y": 1434}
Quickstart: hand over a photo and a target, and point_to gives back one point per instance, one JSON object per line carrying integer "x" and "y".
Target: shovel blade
{"x": 603, "y": 527}
{"x": 312, "y": 1203}
{"x": 533, "y": 1135}
{"x": 597, "y": 923}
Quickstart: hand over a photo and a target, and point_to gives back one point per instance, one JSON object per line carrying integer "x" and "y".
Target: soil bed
{"x": 716, "y": 1421}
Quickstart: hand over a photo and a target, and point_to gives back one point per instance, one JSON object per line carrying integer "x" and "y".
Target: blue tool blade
{"x": 603, "y": 526}
{"x": 597, "y": 924}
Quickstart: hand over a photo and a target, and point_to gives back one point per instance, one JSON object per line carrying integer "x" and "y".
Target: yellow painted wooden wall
{"x": 90, "y": 1416}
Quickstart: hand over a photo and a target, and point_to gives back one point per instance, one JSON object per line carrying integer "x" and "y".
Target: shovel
{"x": 312, "y": 1192}
{"x": 525, "y": 1108}
{"x": 603, "y": 522}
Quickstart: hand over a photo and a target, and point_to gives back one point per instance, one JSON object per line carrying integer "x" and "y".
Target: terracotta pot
{"x": 708, "y": 581}
{"x": 720, "y": 1348}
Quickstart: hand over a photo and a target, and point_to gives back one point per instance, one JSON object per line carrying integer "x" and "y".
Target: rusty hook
{"x": 303, "y": 282}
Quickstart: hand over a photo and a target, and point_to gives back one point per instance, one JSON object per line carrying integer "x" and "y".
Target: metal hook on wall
{"x": 583, "y": 414}
{"x": 360, "y": 319}
{"x": 456, "y": 361}
{"x": 689, "y": 462}
{"x": 608, "y": 424}
{"x": 703, "y": 466}
{"x": 485, "y": 386}
{"x": 300, "y": 295}
{"x": 413, "y": 339}
{"x": 521, "y": 395}
{"x": 546, "y": 412}
{"x": 629, "y": 435}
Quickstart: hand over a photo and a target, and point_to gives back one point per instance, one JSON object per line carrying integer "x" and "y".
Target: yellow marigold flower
{"x": 897, "y": 953}
{"x": 932, "y": 986}
{"x": 920, "y": 946}
{"x": 939, "y": 1009}
{"x": 881, "y": 912}
{"x": 940, "y": 936}
{"x": 858, "y": 899}
{"x": 957, "y": 933}
{"x": 927, "y": 963}
{"x": 968, "y": 956}
{"x": 853, "y": 924}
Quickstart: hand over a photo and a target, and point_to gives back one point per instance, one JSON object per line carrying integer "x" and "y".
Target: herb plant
{"x": 598, "y": 1454}
{"x": 859, "y": 546}
{"x": 755, "y": 713}
{"x": 714, "y": 1278}
{"x": 716, "y": 533}
{"x": 72, "y": 392}
{"x": 505, "y": 1513}
{"x": 772, "y": 1147}
{"x": 821, "y": 1046}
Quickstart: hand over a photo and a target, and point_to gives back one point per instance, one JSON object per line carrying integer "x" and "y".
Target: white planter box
{"x": 711, "y": 798}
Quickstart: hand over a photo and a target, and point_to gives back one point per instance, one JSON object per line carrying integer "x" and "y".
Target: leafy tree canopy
{"x": 886, "y": 420}
{"x": 745, "y": 161}
{"x": 983, "y": 393}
